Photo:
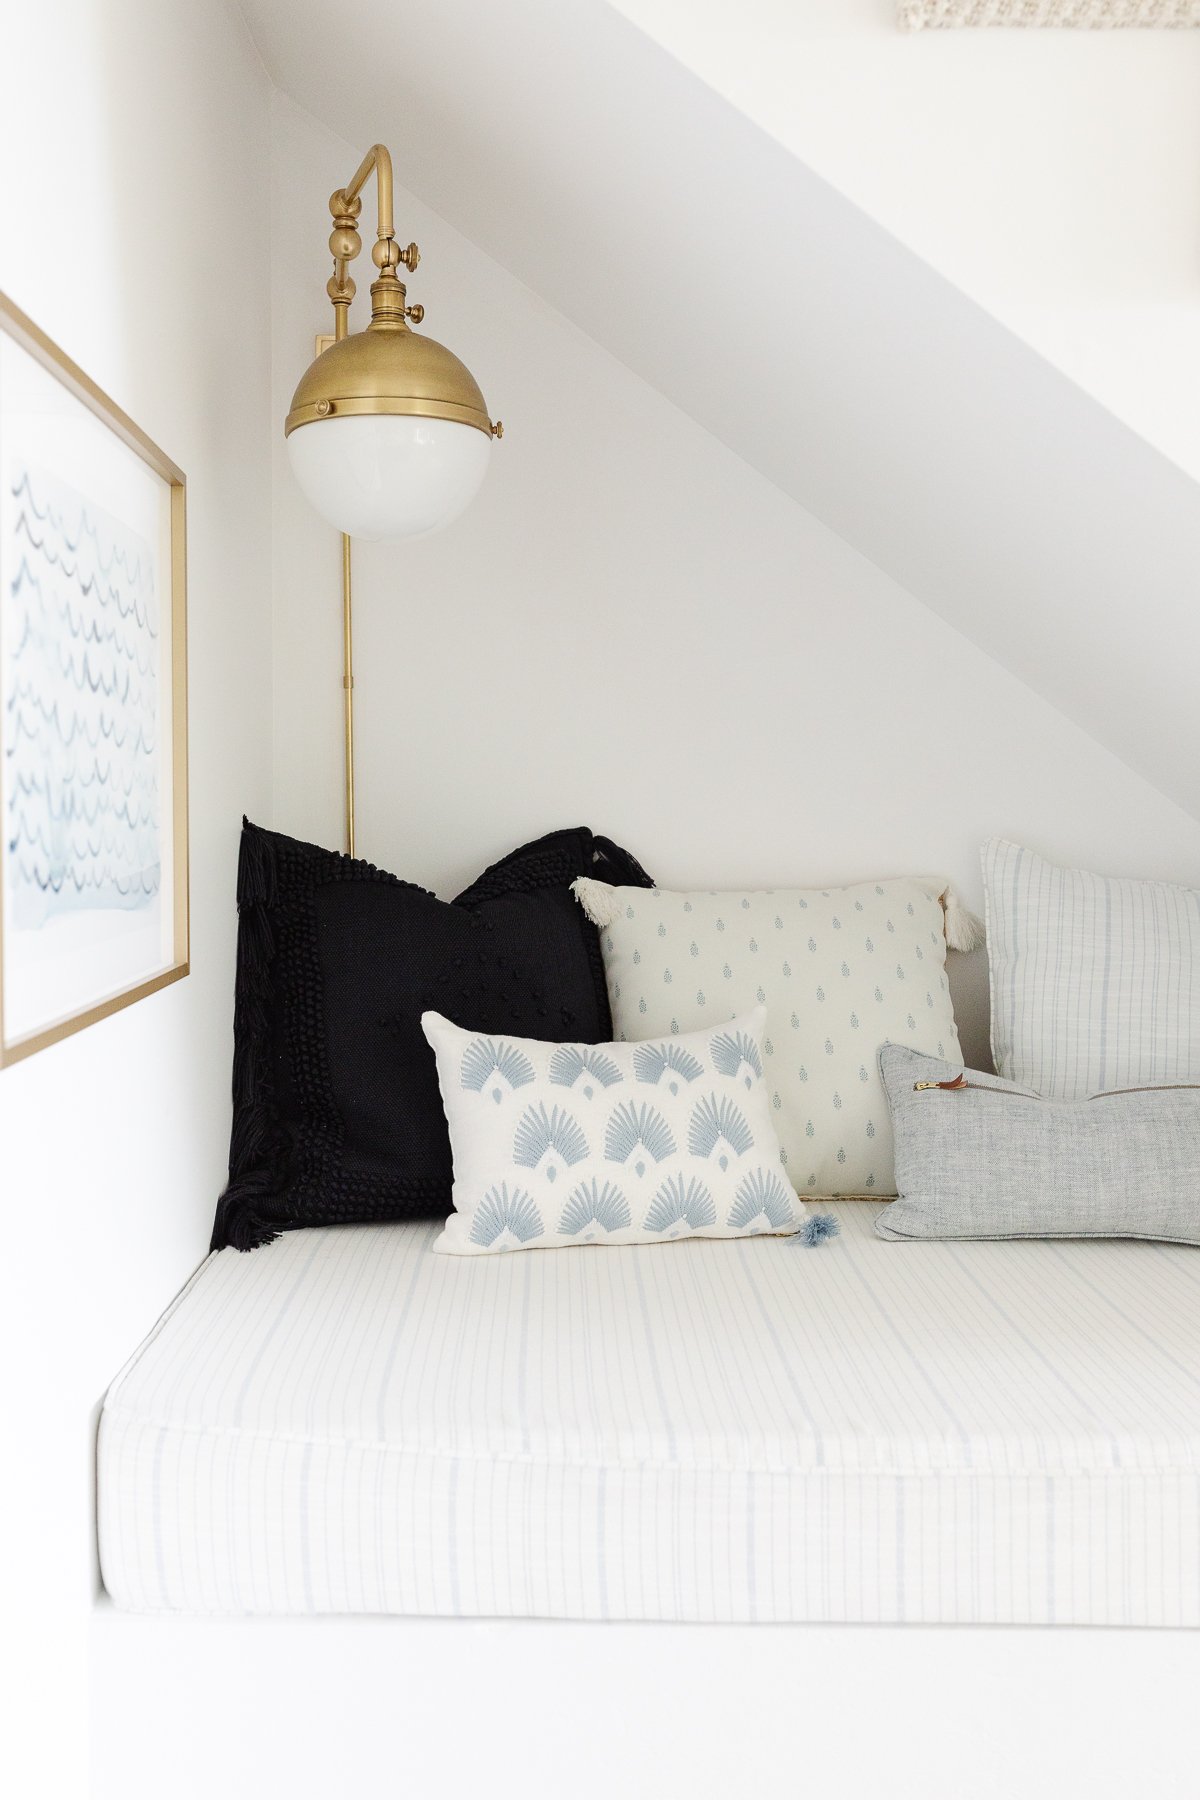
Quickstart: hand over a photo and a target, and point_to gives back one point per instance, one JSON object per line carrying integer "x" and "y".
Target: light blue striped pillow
{"x": 1095, "y": 981}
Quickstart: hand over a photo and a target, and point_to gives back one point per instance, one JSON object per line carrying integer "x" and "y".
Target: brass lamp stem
{"x": 345, "y": 243}
{"x": 348, "y": 685}
{"x": 345, "y": 205}
{"x": 378, "y": 157}
{"x": 386, "y": 372}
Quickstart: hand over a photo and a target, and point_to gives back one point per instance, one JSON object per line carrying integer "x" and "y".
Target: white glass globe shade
{"x": 382, "y": 475}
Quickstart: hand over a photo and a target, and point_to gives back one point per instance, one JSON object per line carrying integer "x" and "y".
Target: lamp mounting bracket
{"x": 345, "y": 206}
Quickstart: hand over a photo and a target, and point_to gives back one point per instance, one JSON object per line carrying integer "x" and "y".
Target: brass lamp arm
{"x": 345, "y": 243}
{"x": 385, "y": 372}
{"x": 379, "y": 158}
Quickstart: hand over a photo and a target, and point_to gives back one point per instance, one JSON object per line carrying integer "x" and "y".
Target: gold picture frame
{"x": 94, "y": 905}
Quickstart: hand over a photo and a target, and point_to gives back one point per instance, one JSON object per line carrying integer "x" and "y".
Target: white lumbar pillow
{"x": 561, "y": 1144}
{"x": 840, "y": 971}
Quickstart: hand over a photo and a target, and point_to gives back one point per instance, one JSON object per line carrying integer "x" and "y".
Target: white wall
{"x": 633, "y": 629}
{"x": 133, "y": 229}
{"x": 1052, "y": 175}
{"x": 793, "y": 327}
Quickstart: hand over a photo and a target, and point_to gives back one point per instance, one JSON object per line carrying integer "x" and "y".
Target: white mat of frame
{"x": 343, "y": 1422}
{"x": 1086, "y": 15}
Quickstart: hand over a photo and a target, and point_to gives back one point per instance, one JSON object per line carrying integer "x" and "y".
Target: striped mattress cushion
{"x": 345, "y": 1422}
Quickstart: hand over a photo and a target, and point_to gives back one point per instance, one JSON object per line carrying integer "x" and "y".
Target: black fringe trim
{"x": 257, "y": 1150}
{"x": 617, "y": 866}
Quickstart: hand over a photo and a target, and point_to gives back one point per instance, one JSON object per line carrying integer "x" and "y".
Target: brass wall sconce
{"x": 388, "y": 433}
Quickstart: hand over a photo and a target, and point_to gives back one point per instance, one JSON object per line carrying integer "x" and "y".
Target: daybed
{"x": 343, "y": 1422}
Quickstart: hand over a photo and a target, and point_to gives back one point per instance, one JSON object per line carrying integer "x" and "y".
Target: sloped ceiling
{"x": 724, "y": 272}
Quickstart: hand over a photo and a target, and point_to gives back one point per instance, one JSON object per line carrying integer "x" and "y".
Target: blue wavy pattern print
{"x": 81, "y": 715}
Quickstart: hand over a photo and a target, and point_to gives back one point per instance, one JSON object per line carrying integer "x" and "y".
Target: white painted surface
{"x": 524, "y": 1711}
{"x": 632, "y": 629}
{"x": 134, "y": 143}
{"x": 1054, "y": 176}
{"x": 713, "y": 263}
{"x": 631, "y": 625}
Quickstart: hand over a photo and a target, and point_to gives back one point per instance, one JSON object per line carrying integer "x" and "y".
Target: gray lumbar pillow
{"x": 977, "y": 1157}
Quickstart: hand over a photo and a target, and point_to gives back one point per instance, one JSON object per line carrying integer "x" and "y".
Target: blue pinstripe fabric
{"x": 345, "y": 1422}
{"x": 1095, "y": 980}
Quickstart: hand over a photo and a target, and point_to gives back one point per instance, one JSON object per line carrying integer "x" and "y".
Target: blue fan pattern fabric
{"x": 637, "y": 1128}
{"x": 681, "y": 1205}
{"x": 550, "y": 1136}
{"x": 485, "y": 1058}
{"x": 593, "y": 1208}
{"x": 503, "y": 1213}
{"x": 719, "y": 1128}
{"x": 578, "y": 1144}
{"x": 651, "y": 1062}
{"x": 733, "y": 1048}
{"x": 583, "y": 1063}
{"x": 763, "y": 1195}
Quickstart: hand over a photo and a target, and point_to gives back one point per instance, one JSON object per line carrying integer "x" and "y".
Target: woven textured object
{"x": 977, "y": 1157}
{"x": 337, "y": 1118}
{"x": 1085, "y": 15}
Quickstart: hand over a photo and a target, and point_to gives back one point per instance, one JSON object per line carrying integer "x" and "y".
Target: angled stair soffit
{"x": 798, "y": 332}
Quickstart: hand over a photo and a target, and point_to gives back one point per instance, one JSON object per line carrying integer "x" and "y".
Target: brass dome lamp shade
{"x": 388, "y": 433}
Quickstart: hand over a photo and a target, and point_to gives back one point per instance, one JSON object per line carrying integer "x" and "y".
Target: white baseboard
{"x": 449, "y": 1708}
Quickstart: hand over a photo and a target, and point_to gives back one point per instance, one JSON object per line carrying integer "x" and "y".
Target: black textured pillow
{"x": 337, "y": 1116}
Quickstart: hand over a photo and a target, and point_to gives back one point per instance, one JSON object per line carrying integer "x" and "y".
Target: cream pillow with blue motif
{"x": 560, "y": 1144}
{"x": 840, "y": 971}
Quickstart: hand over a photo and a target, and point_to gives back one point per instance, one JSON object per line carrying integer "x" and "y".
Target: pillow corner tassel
{"x": 817, "y": 1229}
{"x": 964, "y": 931}
{"x": 598, "y": 900}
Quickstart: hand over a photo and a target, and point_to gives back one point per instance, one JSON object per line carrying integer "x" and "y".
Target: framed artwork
{"x": 93, "y": 701}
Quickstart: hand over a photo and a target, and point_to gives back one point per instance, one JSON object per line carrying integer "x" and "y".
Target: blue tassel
{"x": 816, "y": 1228}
